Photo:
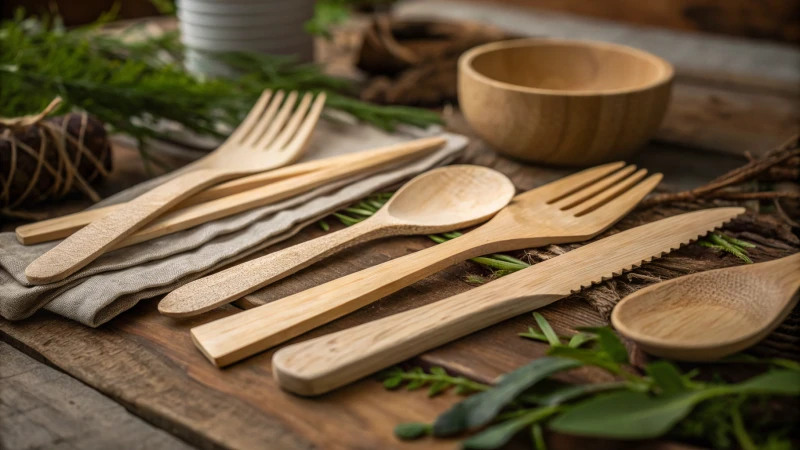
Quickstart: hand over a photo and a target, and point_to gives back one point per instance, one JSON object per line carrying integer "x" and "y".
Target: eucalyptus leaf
{"x": 498, "y": 435}
{"x": 481, "y": 408}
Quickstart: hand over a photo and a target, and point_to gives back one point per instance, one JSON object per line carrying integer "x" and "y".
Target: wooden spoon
{"x": 710, "y": 315}
{"x": 441, "y": 200}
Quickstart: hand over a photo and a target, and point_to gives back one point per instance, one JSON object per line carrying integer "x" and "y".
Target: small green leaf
{"x": 324, "y": 225}
{"x": 609, "y": 343}
{"x": 498, "y": 435}
{"x": 481, "y": 408}
{"x": 392, "y": 383}
{"x": 548, "y": 331}
{"x": 581, "y": 338}
{"x": 438, "y": 371}
{"x": 359, "y": 211}
{"x": 588, "y": 357}
{"x": 570, "y": 392}
{"x": 537, "y": 437}
{"x": 666, "y": 376}
{"x": 534, "y": 334}
{"x": 510, "y": 259}
{"x": 737, "y": 242}
{"x": 775, "y": 382}
{"x": 411, "y": 430}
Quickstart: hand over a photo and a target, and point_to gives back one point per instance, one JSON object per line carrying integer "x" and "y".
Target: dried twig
{"x": 753, "y": 169}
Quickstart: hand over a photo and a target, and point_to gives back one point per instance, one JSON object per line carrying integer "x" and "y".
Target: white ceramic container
{"x": 264, "y": 26}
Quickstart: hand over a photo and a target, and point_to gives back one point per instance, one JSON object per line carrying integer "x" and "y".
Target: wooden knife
{"x": 319, "y": 365}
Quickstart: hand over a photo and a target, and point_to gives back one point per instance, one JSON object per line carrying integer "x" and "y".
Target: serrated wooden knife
{"x": 319, "y": 365}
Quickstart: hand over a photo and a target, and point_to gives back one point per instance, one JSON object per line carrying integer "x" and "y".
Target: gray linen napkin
{"x": 117, "y": 280}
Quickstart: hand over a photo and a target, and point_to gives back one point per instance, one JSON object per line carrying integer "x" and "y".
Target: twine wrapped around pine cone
{"x": 46, "y": 159}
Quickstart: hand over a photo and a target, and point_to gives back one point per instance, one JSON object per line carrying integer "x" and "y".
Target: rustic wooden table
{"x": 139, "y": 382}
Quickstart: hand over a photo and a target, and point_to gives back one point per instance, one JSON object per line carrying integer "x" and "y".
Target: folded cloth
{"x": 117, "y": 280}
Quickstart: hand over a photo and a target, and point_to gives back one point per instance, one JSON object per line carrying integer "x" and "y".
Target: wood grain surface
{"x": 41, "y": 407}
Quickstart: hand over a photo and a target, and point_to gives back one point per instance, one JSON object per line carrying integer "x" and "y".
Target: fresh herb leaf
{"x": 481, "y": 408}
{"x": 609, "y": 343}
{"x": 636, "y": 415}
{"x": 548, "y": 331}
{"x": 411, "y": 430}
{"x": 498, "y": 435}
{"x": 579, "y": 339}
{"x": 666, "y": 376}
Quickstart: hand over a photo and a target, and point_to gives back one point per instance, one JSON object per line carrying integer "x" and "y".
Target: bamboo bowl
{"x": 573, "y": 103}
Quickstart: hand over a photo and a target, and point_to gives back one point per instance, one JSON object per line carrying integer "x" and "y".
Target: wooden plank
{"x": 41, "y": 407}
{"x": 765, "y": 19}
{"x": 147, "y": 362}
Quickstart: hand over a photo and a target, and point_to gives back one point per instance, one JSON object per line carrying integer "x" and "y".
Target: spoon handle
{"x": 228, "y": 285}
{"x": 90, "y": 242}
{"x": 233, "y": 338}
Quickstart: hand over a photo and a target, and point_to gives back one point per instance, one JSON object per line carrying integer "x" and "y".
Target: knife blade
{"x": 319, "y": 365}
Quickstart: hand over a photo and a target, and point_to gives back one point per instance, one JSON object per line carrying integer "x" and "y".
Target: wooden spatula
{"x": 319, "y": 365}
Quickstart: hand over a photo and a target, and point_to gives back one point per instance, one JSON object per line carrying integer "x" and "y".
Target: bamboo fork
{"x": 271, "y": 136}
{"x": 64, "y": 226}
{"x": 572, "y": 209}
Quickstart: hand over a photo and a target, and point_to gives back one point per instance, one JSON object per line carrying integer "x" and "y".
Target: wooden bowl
{"x": 561, "y": 102}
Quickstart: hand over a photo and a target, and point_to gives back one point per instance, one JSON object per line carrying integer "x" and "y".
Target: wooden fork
{"x": 573, "y": 209}
{"x": 271, "y": 136}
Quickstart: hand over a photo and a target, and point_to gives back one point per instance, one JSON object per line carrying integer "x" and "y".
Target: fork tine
{"x": 609, "y": 194}
{"x": 611, "y": 211}
{"x": 559, "y": 189}
{"x": 277, "y": 122}
{"x": 293, "y": 123}
{"x": 252, "y": 117}
{"x": 592, "y": 190}
{"x": 266, "y": 120}
{"x": 301, "y": 138}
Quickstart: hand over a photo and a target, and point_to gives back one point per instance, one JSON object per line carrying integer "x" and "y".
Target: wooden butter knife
{"x": 319, "y": 365}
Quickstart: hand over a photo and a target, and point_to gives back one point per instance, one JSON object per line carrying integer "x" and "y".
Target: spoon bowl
{"x": 455, "y": 196}
{"x": 710, "y": 315}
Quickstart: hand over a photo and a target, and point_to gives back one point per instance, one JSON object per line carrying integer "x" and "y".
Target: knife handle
{"x": 319, "y": 365}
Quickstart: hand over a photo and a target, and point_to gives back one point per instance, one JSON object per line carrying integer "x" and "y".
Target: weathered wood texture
{"x": 41, "y": 407}
{"x": 765, "y": 19}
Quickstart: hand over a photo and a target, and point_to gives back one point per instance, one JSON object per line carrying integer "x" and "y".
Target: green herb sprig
{"x": 500, "y": 264}
{"x": 662, "y": 402}
{"x": 135, "y": 84}
{"x": 725, "y": 243}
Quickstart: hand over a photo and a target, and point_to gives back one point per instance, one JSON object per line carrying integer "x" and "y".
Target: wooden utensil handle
{"x": 233, "y": 338}
{"x": 319, "y": 365}
{"x": 93, "y": 240}
{"x": 228, "y": 285}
